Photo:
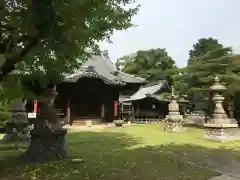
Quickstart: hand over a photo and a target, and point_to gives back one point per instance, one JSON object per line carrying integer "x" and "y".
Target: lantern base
{"x": 222, "y": 132}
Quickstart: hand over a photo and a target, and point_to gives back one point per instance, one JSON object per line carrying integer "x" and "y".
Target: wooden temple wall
{"x": 149, "y": 109}
{"x": 87, "y": 100}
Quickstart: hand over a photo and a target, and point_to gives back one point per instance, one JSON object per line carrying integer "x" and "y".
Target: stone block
{"x": 222, "y": 133}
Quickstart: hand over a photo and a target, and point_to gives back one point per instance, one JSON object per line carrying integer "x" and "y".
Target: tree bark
{"x": 46, "y": 145}
{"x": 11, "y": 61}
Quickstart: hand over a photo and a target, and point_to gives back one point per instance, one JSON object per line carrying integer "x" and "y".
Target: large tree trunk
{"x": 46, "y": 145}
{"x": 48, "y": 137}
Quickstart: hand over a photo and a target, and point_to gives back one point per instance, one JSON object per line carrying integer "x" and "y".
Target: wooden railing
{"x": 62, "y": 116}
{"x": 146, "y": 117}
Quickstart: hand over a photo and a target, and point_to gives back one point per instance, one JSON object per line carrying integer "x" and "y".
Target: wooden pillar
{"x": 68, "y": 111}
{"x": 102, "y": 112}
{"x": 138, "y": 117}
{"x": 133, "y": 112}
{"x": 122, "y": 111}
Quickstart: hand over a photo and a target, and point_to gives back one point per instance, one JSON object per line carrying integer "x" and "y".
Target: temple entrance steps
{"x": 77, "y": 128}
{"x": 86, "y": 122}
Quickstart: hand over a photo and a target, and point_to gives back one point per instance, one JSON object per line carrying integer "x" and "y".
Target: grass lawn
{"x": 140, "y": 152}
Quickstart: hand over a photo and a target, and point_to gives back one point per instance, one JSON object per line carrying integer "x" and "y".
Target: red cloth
{"x": 115, "y": 108}
{"x": 35, "y": 106}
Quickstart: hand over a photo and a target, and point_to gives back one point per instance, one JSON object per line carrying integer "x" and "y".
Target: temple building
{"x": 149, "y": 102}
{"x": 91, "y": 94}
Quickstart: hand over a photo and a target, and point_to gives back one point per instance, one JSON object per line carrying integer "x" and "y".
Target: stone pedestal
{"x": 173, "y": 121}
{"x": 225, "y": 132}
{"x": 220, "y": 127}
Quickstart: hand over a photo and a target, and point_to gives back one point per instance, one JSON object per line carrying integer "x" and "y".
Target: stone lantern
{"x": 220, "y": 127}
{"x": 173, "y": 121}
{"x": 17, "y": 125}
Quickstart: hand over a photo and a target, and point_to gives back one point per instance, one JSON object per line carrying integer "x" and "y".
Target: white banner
{"x": 32, "y": 115}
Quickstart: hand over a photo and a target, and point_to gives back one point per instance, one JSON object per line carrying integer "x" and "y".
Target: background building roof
{"x": 147, "y": 90}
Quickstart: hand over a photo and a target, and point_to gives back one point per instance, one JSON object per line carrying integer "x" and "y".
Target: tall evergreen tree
{"x": 207, "y": 59}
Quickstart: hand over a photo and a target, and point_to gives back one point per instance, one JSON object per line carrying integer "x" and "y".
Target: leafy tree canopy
{"x": 125, "y": 61}
{"x": 50, "y": 37}
{"x": 203, "y": 46}
{"x": 153, "y": 64}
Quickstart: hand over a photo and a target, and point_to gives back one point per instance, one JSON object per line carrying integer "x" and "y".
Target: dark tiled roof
{"x": 101, "y": 67}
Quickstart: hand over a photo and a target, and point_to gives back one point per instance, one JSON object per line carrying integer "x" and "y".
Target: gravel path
{"x": 230, "y": 171}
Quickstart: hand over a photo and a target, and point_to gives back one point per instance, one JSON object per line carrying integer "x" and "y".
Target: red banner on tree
{"x": 115, "y": 108}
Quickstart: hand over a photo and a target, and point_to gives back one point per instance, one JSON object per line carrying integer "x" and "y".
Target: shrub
{"x": 4, "y": 111}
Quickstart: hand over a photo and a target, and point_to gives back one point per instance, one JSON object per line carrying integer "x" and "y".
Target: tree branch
{"x": 6, "y": 28}
{"x": 11, "y": 61}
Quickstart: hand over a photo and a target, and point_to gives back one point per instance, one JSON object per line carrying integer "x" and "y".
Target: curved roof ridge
{"x": 105, "y": 68}
{"x": 144, "y": 91}
{"x": 134, "y": 76}
{"x": 109, "y": 62}
{"x": 153, "y": 83}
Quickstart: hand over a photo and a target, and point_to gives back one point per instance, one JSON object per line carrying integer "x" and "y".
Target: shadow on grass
{"x": 118, "y": 156}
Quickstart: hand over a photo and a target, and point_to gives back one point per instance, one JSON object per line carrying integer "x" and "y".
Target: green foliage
{"x": 47, "y": 38}
{"x": 4, "y": 114}
{"x": 4, "y": 107}
{"x": 181, "y": 83}
{"x": 207, "y": 59}
{"x": 124, "y": 61}
{"x": 219, "y": 62}
{"x": 153, "y": 64}
{"x": 203, "y": 46}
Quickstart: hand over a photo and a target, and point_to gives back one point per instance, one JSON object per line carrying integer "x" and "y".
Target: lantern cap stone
{"x": 217, "y": 86}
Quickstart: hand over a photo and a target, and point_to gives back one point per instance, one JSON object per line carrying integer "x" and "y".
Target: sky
{"x": 176, "y": 25}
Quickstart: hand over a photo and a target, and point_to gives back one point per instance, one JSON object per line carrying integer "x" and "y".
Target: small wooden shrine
{"x": 91, "y": 94}
{"x": 145, "y": 105}
{"x": 148, "y": 103}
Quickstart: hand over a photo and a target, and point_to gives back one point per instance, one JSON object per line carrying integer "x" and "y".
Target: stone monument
{"x": 17, "y": 125}
{"x": 220, "y": 127}
{"x": 174, "y": 120}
